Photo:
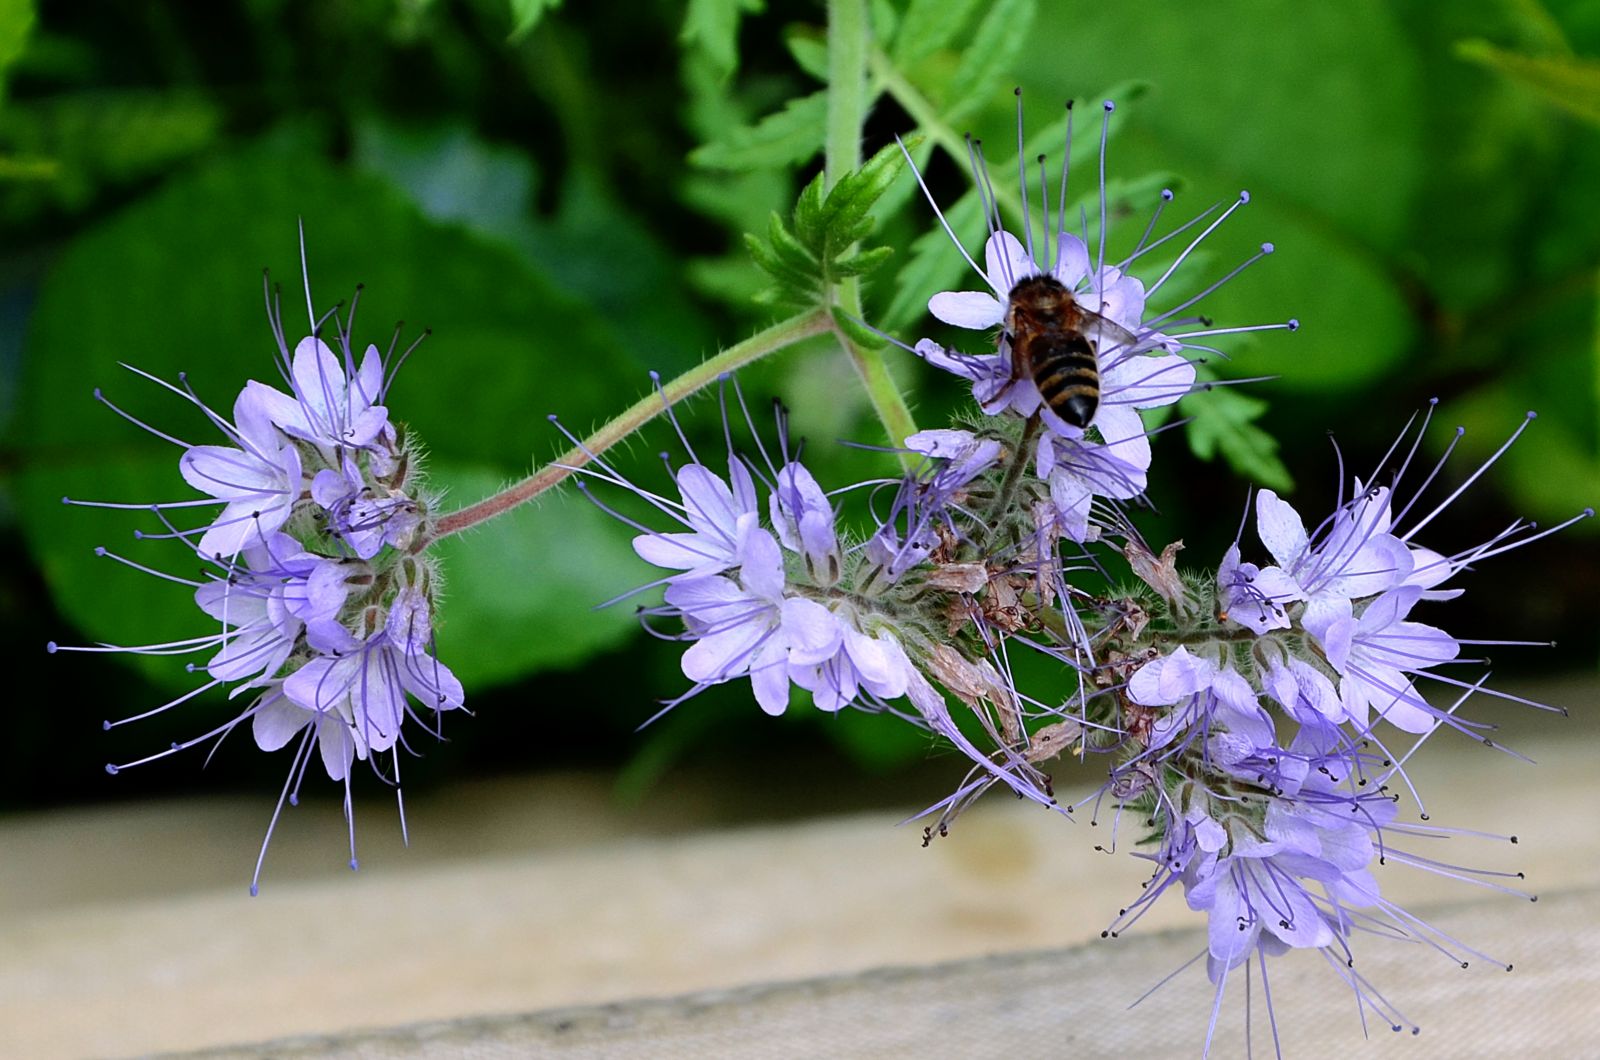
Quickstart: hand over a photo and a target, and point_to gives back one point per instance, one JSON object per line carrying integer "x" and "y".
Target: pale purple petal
{"x": 714, "y": 600}
{"x": 967, "y": 309}
{"x": 366, "y": 389}
{"x": 723, "y": 655}
{"x": 337, "y": 745}
{"x": 872, "y": 660}
{"x": 1006, "y": 261}
{"x": 1280, "y": 528}
{"x": 1072, "y": 260}
{"x": 316, "y": 686}
{"x": 1125, "y": 435}
{"x": 761, "y": 566}
{"x": 277, "y": 722}
{"x": 433, "y": 683}
{"x": 814, "y": 633}
{"x": 965, "y": 365}
{"x": 1118, "y": 298}
{"x": 1144, "y": 381}
{"x": 708, "y": 502}
{"x": 769, "y": 675}
{"x": 678, "y": 551}
{"x": 1182, "y": 674}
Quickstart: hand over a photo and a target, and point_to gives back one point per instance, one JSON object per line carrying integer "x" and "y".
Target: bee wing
{"x": 1105, "y": 334}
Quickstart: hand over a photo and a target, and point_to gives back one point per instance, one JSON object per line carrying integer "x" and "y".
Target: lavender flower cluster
{"x": 1247, "y": 717}
{"x": 314, "y": 569}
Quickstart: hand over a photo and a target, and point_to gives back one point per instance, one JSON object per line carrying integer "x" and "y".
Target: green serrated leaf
{"x": 1566, "y": 81}
{"x": 525, "y": 15}
{"x": 1222, "y": 420}
{"x": 929, "y": 25}
{"x": 988, "y": 56}
{"x": 861, "y": 262}
{"x": 713, "y": 27}
{"x": 808, "y": 46}
{"x": 856, "y": 193}
{"x": 810, "y": 220}
{"x": 790, "y": 284}
{"x": 789, "y": 247}
{"x": 783, "y": 138}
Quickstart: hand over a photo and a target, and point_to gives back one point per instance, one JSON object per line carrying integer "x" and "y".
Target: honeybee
{"x": 1055, "y": 342}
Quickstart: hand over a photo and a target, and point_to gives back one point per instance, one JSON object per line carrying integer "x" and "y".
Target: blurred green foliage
{"x": 564, "y": 201}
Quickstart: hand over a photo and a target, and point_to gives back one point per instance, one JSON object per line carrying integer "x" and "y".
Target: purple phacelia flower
{"x": 719, "y": 519}
{"x": 365, "y": 680}
{"x": 1203, "y": 696}
{"x": 1255, "y": 597}
{"x": 1353, "y": 556}
{"x": 334, "y": 406}
{"x": 804, "y": 520}
{"x": 1141, "y": 360}
{"x": 922, "y": 507}
{"x": 312, "y": 486}
{"x": 266, "y": 603}
{"x": 1378, "y": 653}
{"x": 258, "y": 480}
{"x": 365, "y": 516}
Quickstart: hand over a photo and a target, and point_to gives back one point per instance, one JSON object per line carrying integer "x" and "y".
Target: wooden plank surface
{"x": 127, "y": 929}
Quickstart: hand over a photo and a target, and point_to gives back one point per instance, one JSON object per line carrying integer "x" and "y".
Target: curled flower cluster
{"x": 787, "y": 603}
{"x": 1275, "y": 837}
{"x": 313, "y": 565}
{"x": 1242, "y": 714}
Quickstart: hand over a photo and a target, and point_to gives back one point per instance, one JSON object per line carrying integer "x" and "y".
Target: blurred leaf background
{"x": 560, "y": 193}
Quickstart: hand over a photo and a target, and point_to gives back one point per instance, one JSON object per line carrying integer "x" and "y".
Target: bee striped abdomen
{"x": 1067, "y": 375}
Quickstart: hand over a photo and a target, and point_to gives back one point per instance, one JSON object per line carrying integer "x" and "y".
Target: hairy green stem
{"x": 783, "y": 334}
{"x": 1008, "y": 485}
{"x": 887, "y": 401}
{"x": 848, "y": 44}
{"x": 847, "y": 86}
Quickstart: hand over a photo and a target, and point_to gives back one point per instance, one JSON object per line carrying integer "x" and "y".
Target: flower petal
{"x": 1144, "y": 381}
{"x": 681, "y": 552}
{"x": 1072, "y": 260}
{"x": 1280, "y": 528}
{"x": 337, "y": 744}
{"x": 277, "y": 722}
{"x": 1125, "y": 435}
{"x": 815, "y": 634}
{"x": 1006, "y": 261}
{"x": 769, "y": 675}
{"x": 761, "y": 566}
{"x": 725, "y": 654}
{"x": 968, "y": 309}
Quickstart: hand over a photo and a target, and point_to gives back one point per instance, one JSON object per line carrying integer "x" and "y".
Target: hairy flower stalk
{"x": 324, "y": 603}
